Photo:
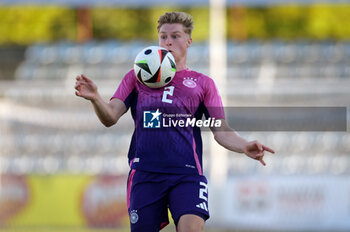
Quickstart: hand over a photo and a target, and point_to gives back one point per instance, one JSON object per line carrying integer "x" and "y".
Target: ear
{"x": 189, "y": 42}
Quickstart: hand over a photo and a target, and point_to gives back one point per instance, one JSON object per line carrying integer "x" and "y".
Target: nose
{"x": 168, "y": 42}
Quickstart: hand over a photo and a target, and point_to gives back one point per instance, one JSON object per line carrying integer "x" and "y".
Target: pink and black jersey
{"x": 162, "y": 141}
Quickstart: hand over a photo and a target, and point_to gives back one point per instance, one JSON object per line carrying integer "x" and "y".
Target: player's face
{"x": 173, "y": 38}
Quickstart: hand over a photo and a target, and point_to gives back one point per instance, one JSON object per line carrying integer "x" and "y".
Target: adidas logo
{"x": 203, "y": 206}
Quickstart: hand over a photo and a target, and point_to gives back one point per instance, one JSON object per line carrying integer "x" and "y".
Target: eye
{"x": 163, "y": 37}
{"x": 174, "y": 36}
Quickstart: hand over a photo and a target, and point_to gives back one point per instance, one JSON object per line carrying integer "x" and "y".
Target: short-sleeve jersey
{"x": 169, "y": 146}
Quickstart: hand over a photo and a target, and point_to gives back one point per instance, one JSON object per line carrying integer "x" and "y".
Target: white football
{"x": 155, "y": 67}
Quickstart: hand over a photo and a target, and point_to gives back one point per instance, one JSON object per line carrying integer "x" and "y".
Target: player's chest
{"x": 182, "y": 91}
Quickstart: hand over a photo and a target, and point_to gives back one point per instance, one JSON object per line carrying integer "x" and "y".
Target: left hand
{"x": 255, "y": 150}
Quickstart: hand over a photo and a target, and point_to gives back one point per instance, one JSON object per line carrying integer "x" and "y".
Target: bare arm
{"x": 232, "y": 141}
{"x": 108, "y": 113}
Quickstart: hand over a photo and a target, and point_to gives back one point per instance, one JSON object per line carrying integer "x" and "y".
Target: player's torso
{"x": 168, "y": 148}
{"x": 184, "y": 92}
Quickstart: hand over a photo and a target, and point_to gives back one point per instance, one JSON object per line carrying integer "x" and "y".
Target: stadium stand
{"x": 292, "y": 60}
{"x": 47, "y": 129}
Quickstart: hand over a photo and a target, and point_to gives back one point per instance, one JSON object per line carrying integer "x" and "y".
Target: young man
{"x": 166, "y": 164}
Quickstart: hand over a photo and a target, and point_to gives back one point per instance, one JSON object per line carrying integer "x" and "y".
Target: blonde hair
{"x": 177, "y": 17}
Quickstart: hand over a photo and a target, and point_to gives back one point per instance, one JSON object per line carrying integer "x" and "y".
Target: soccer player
{"x": 166, "y": 164}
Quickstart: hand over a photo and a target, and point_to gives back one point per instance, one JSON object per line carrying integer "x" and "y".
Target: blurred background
{"x": 61, "y": 170}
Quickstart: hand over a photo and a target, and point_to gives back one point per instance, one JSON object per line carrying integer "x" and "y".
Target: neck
{"x": 181, "y": 67}
{"x": 181, "y": 64}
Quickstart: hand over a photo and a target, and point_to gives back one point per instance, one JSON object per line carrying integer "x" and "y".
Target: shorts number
{"x": 168, "y": 91}
{"x": 203, "y": 191}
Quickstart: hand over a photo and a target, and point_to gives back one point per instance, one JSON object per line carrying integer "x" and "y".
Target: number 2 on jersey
{"x": 168, "y": 92}
{"x": 203, "y": 192}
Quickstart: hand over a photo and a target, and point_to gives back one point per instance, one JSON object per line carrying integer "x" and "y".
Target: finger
{"x": 259, "y": 155}
{"x": 268, "y": 149}
{"x": 77, "y": 93}
{"x": 262, "y": 161}
{"x": 78, "y": 78}
{"x": 85, "y": 78}
{"x": 77, "y": 85}
{"x": 258, "y": 145}
{"x": 80, "y": 83}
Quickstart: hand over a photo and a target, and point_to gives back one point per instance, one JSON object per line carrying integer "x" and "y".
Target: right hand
{"x": 85, "y": 88}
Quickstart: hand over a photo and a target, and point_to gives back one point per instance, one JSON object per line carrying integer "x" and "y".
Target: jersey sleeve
{"x": 126, "y": 90}
{"x": 212, "y": 101}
